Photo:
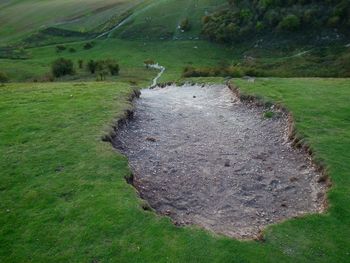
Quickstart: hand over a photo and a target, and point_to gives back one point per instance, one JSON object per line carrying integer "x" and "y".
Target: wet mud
{"x": 200, "y": 156}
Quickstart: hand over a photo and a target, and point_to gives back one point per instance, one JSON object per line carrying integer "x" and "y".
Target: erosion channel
{"x": 200, "y": 156}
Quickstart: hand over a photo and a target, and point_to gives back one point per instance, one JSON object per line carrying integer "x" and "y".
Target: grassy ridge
{"x": 64, "y": 197}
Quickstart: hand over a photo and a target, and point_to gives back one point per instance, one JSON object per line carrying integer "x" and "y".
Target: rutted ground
{"x": 201, "y": 157}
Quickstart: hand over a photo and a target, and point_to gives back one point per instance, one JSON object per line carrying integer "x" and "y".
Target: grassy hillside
{"x": 160, "y": 19}
{"x": 130, "y": 54}
{"x": 146, "y": 19}
{"x": 22, "y": 17}
{"x": 64, "y": 197}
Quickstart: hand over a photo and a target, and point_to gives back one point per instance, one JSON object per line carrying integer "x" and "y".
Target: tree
{"x": 113, "y": 67}
{"x": 290, "y": 22}
{"x": 92, "y": 66}
{"x": 102, "y": 69}
{"x": 62, "y": 67}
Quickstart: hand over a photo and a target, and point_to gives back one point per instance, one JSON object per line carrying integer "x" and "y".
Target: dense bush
{"x": 244, "y": 18}
{"x": 62, "y": 67}
{"x": 290, "y": 23}
{"x": 3, "y": 77}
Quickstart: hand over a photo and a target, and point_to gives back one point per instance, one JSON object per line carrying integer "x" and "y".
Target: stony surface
{"x": 201, "y": 157}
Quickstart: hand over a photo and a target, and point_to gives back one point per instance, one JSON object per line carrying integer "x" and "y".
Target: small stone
{"x": 167, "y": 212}
{"x": 150, "y": 139}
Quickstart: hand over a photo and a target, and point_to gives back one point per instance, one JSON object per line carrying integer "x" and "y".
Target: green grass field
{"x": 62, "y": 190}
{"x": 64, "y": 197}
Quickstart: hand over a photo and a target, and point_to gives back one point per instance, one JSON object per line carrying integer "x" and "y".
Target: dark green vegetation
{"x": 63, "y": 194}
{"x": 62, "y": 67}
{"x": 255, "y": 19}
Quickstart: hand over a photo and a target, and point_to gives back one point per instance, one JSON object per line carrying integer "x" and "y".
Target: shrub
{"x": 259, "y": 26}
{"x": 113, "y": 67}
{"x": 235, "y": 72}
{"x": 272, "y": 17}
{"x": 89, "y": 45}
{"x": 149, "y": 62}
{"x": 62, "y": 67}
{"x": 222, "y": 71}
{"x": 205, "y": 19}
{"x": 72, "y": 50}
{"x": 102, "y": 73}
{"x": 269, "y": 114}
{"x": 80, "y": 63}
{"x": 92, "y": 66}
{"x": 60, "y": 48}
{"x": 3, "y": 77}
{"x": 103, "y": 67}
{"x": 189, "y": 71}
{"x": 185, "y": 25}
{"x": 252, "y": 72}
{"x": 290, "y": 23}
{"x": 333, "y": 21}
{"x": 47, "y": 77}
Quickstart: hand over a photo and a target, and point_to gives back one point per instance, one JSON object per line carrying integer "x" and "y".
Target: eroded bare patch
{"x": 202, "y": 157}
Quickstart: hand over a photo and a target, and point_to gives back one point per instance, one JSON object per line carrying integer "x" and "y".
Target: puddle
{"x": 201, "y": 157}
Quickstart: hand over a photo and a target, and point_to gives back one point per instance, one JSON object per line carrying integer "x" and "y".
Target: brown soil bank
{"x": 202, "y": 157}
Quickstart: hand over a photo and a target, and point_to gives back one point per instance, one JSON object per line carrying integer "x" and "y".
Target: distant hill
{"x": 21, "y": 18}
{"x": 39, "y": 20}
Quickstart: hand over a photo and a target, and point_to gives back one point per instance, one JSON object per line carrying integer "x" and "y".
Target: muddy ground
{"x": 202, "y": 157}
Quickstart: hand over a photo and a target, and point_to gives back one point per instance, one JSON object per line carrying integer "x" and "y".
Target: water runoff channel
{"x": 202, "y": 157}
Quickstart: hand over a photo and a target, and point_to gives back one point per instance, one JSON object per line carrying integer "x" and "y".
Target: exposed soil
{"x": 202, "y": 157}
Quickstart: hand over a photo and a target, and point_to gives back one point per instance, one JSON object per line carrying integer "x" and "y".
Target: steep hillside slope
{"x": 22, "y": 17}
{"x": 168, "y": 19}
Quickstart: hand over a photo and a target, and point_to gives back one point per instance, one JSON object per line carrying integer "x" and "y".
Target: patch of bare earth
{"x": 202, "y": 157}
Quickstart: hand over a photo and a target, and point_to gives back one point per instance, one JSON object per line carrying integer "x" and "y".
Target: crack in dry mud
{"x": 202, "y": 157}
